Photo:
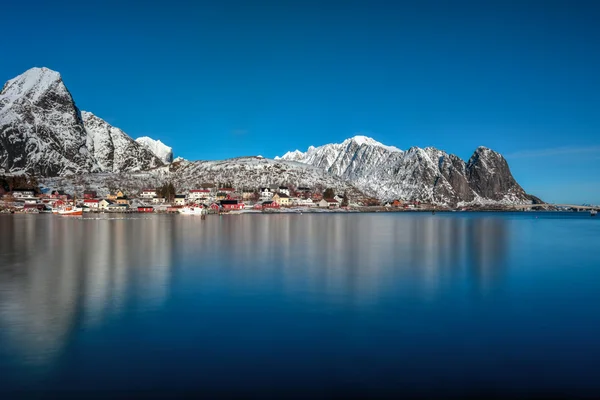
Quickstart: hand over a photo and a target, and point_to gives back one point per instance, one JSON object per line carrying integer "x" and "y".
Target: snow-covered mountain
{"x": 42, "y": 132}
{"x": 113, "y": 150}
{"x": 428, "y": 174}
{"x": 158, "y": 148}
{"x": 255, "y": 172}
{"x": 243, "y": 172}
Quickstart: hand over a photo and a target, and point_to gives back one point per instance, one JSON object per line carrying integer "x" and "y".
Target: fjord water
{"x": 301, "y": 305}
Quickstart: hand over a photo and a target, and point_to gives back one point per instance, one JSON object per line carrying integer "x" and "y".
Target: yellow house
{"x": 282, "y": 199}
{"x": 122, "y": 199}
{"x": 115, "y": 196}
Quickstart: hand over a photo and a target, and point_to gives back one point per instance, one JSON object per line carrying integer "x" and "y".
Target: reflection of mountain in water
{"x": 59, "y": 275}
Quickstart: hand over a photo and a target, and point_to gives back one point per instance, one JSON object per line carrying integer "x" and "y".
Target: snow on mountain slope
{"x": 158, "y": 148}
{"x": 429, "y": 174}
{"x": 254, "y": 172}
{"x": 113, "y": 150}
{"x": 41, "y": 131}
{"x": 243, "y": 172}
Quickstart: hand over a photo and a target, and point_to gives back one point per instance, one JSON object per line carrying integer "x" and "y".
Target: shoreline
{"x": 361, "y": 210}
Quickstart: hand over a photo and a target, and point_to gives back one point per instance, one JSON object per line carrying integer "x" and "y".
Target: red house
{"x": 215, "y": 206}
{"x": 232, "y": 205}
{"x": 270, "y": 204}
{"x": 145, "y": 209}
{"x": 228, "y": 189}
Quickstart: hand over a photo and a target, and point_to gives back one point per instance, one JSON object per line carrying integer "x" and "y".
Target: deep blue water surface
{"x": 451, "y": 304}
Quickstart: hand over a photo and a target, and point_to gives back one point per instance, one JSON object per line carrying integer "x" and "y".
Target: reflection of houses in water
{"x": 72, "y": 272}
{"x": 75, "y": 271}
{"x": 127, "y": 259}
{"x": 301, "y": 254}
{"x": 449, "y": 247}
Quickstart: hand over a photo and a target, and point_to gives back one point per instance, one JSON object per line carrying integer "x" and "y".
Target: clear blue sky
{"x": 219, "y": 79}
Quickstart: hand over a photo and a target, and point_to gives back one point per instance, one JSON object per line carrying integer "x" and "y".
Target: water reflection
{"x": 62, "y": 274}
{"x": 59, "y": 275}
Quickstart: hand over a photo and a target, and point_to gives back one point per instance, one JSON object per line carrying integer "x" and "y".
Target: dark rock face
{"x": 41, "y": 131}
{"x": 453, "y": 171}
{"x": 490, "y": 177}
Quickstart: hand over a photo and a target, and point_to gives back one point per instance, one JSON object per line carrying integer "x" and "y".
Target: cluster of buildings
{"x": 229, "y": 198}
{"x": 149, "y": 200}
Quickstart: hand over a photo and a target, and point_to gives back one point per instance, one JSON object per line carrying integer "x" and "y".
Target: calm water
{"x": 304, "y": 305}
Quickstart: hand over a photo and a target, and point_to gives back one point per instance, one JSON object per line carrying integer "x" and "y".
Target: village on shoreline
{"x": 213, "y": 199}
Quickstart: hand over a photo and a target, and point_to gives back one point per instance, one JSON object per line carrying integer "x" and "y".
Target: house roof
{"x": 180, "y": 196}
{"x": 266, "y": 203}
{"x": 229, "y": 202}
{"x": 89, "y": 192}
{"x": 122, "y": 198}
{"x": 283, "y": 187}
{"x": 331, "y": 200}
{"x": 108, "y": 201}
{"x": 91, "y": 201}
{"x": 199, "y": 191}
{"x": 283, "y": 195}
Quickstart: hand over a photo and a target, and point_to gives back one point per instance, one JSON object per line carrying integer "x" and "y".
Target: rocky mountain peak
{"x": 33, "y": 83}
{"x": 158, "y": 148}
{"x": 429, "y": 175}
{"x": 42, "y": 132}
{"x": 361, "y": 140}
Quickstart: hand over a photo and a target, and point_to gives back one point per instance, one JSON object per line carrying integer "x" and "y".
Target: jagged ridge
{"x": 428, "y": 174}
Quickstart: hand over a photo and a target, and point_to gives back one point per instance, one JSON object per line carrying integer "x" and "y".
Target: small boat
{"x": 593, "y": 213}
{"x": 70, "y": 211}
{"x": 192, "y": 211}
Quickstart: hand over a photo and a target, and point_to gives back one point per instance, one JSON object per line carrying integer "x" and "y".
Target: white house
{"x": 179, "y": 200}
{"x": 197, "y": 194}
{"x": 338, "y": 198}
{"x": 148, "y": 193}
{"x": 284, "y": 190}
{"x": 305, "y": 202}
{"x": 158, "y": 200}
{"x": 92, "y": 203}
{"x": 328, "y": 203}
{"x": 104, "y": 204}
{"x": 23, "y": 194}
{"x": 266, "y": 193}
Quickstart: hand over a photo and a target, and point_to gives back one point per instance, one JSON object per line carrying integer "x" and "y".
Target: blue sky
{"x": 228, "y": 78}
